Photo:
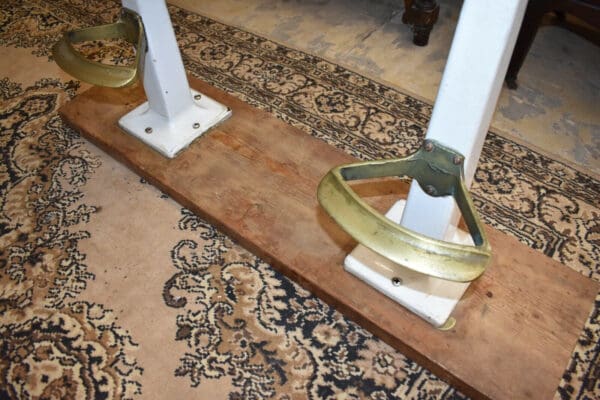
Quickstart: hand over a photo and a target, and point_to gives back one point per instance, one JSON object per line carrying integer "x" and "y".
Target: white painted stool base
{"x": 431, "y": 298}
{"x": 170, "y": 136}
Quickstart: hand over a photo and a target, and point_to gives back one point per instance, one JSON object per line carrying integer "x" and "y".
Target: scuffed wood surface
{"x": 255, "y": 178}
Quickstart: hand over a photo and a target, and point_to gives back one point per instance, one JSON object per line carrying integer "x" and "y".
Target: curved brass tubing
{"x": 128, "y": 27}
{"x": 439, "y": 172}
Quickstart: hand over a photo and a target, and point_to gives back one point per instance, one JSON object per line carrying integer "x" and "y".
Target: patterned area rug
{"x": 110, "y": 290}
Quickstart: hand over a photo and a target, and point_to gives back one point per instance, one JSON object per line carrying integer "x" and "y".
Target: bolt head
{"x": 197, "y": 97}
{"x": 148, "y": 130}
{"x": 196, "y": 125}
{"x": 428, "y": 146}
{"x": 396, "y": 281}
{"x": 458, "y": 160}
{"x": 430, "y": 190}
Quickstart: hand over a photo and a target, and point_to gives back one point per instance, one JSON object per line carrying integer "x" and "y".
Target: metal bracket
{"x": 438, "y": 170}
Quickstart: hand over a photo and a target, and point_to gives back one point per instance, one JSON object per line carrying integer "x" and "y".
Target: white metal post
{"x": 483, "y": 42}
{"x": 174, "y": 115}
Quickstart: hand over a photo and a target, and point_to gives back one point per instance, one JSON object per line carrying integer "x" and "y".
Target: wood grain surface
{"x": 255, "y": 178}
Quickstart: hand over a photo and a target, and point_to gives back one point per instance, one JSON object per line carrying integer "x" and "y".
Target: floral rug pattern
{"x": 238, "y": 318}
{"x": 51, "y": 345}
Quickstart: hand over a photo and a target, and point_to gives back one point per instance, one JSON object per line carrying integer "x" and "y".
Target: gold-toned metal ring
{"x": 438, "y": 170}
{"x": 128, "y": 27}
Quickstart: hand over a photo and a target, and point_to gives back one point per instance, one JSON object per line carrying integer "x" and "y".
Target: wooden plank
{"x": 255, "y": 178}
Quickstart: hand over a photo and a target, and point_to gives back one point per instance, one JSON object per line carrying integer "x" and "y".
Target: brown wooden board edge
{"x": 309, "y": 284}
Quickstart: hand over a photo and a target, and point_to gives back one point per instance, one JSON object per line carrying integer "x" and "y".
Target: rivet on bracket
{"x": 430, "y": 190}
{"x": 457, "y": 160}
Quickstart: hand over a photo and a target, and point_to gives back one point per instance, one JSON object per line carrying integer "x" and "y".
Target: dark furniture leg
{"x": 586, "y": 11}
{"x": 421, "y": 15}
{"x": 531, "y": 22}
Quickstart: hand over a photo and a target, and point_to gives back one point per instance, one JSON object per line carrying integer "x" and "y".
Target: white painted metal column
{"x": 483, "y": 43}
{"x": 174, "y": 115}
{"x": 481, "y": 49}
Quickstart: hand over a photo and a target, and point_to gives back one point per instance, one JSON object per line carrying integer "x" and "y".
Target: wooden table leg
{"x": 533, "y": 17}
{"x": 421, "y": 15}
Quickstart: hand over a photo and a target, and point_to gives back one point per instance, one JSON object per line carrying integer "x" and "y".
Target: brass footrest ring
{"x": 439, "y": 172}
{"x": 128, "y": 27}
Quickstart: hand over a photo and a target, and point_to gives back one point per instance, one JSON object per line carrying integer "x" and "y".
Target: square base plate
{"x": 170, "y": 136}
{"x": 431, "y": 298}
